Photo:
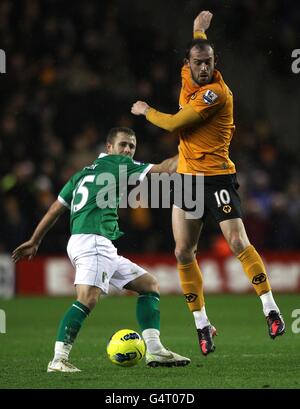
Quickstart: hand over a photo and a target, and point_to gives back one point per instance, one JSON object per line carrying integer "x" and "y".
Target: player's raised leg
{"x": 235, "y": 234}
{"x": 148, "y": 317}
{"x": 69, "y": 327}
{"x": 186, "y": 234}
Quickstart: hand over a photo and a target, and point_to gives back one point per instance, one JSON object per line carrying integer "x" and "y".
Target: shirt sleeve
{"x": 208, "y": 101}
{"x": 137, "y": 168}
{"x": 199, "y": 35}
{"x": 65, "y": 196}
{"x": 187, "y": 116}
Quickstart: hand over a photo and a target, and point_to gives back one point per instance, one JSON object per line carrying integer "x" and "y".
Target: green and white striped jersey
{"x": 93, "y": 194}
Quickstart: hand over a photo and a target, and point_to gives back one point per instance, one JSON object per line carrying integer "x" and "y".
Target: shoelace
{"x": 205, "y": 335}
{"x": 275, "y": 320}
{"x": 68, "y": 364}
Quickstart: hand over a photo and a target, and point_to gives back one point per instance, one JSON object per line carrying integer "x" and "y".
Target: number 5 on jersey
{"x": 83, "y": 191}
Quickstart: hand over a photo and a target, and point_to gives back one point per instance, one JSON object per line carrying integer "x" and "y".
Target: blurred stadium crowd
{"x": 75, "y": 68}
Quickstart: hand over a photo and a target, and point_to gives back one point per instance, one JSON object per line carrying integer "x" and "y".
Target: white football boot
{"x": 166, "y": 358}
{"x": 61, "y": 365}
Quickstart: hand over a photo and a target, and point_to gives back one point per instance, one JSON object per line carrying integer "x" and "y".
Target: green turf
{"x": 245, "y": 356}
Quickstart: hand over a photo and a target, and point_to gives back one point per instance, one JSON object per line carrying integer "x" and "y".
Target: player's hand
{"x": 27, "y": 249}
{"x": 202, "y": 21}
{"x": 139, "y": 108}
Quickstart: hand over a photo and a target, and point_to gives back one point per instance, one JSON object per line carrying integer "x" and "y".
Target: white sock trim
{"x": 152, "y": 340}
{"x": 201, "y": 319}
{"x": 151, "y": 333}
{"x": 76, "y": 306}
{"x": 268, "y": 303}
{"x": 145, "y": 295}
{"x": 61, "y": 350}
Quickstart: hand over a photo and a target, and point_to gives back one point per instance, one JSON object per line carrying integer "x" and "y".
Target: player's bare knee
{"x": 89, "y": 301}
{"x": 154, "y": 287}
{"x": 237, "y": 244}
{"x": 150, "y": 284}
{"x": 88, "y": 296}
{"x": 145, "y": 283}
{"x": 184, "y": 254}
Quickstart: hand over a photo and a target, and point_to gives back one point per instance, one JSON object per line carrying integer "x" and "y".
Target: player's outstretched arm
{"x": 201, "y": 24}
{"x": 167, "y": 166}
{"x": 140, "y": 108}
{"x": 30, "y": 247}
{"x": 187, "y": 116}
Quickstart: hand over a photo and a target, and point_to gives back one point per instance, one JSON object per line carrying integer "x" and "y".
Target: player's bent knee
{"x": 184, "y": 254}
{"x": 143, "y": 284}
{"x": 89, "y": 301}
{"x": 237, "y": 244}
{"x": 88, "y": 296}
{"x": 150, "y": 284}
{"x": 154, "y": 287}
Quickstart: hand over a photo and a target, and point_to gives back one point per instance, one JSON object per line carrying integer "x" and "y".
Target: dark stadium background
{"x": 73, "y": 70}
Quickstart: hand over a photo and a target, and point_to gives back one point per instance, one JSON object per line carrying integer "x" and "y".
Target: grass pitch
{"x": 245, "y": 356}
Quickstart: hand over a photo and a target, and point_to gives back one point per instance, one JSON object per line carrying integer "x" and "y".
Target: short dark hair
{"x": 199, "y": 43}
{"x": 113, "y": 132}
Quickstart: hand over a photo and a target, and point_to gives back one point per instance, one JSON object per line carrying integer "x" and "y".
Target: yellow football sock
{"x": 255, "y": 270}
{"x": 192, "y": 285}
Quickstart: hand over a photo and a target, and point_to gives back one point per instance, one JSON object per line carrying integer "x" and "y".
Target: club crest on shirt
{"x": 209, "y": 97}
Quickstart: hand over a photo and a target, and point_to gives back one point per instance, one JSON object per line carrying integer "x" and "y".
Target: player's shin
{"x": 68, "y": 329}
{"x": 255, "y": 270}
{"x": 192, "y": 285}
{"x": 148, "y": 316}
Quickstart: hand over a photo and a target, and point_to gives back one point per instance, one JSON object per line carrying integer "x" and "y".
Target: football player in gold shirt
{"x": 205, "y": 126}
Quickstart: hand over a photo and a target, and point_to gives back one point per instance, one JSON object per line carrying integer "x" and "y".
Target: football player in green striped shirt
{"x": 92, "y": 195}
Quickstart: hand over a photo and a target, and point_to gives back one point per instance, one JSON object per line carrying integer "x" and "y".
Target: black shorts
{"x": 221, "y": 198}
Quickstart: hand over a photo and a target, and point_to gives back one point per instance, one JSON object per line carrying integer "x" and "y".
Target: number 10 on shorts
{"x": 222, "y": 197}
